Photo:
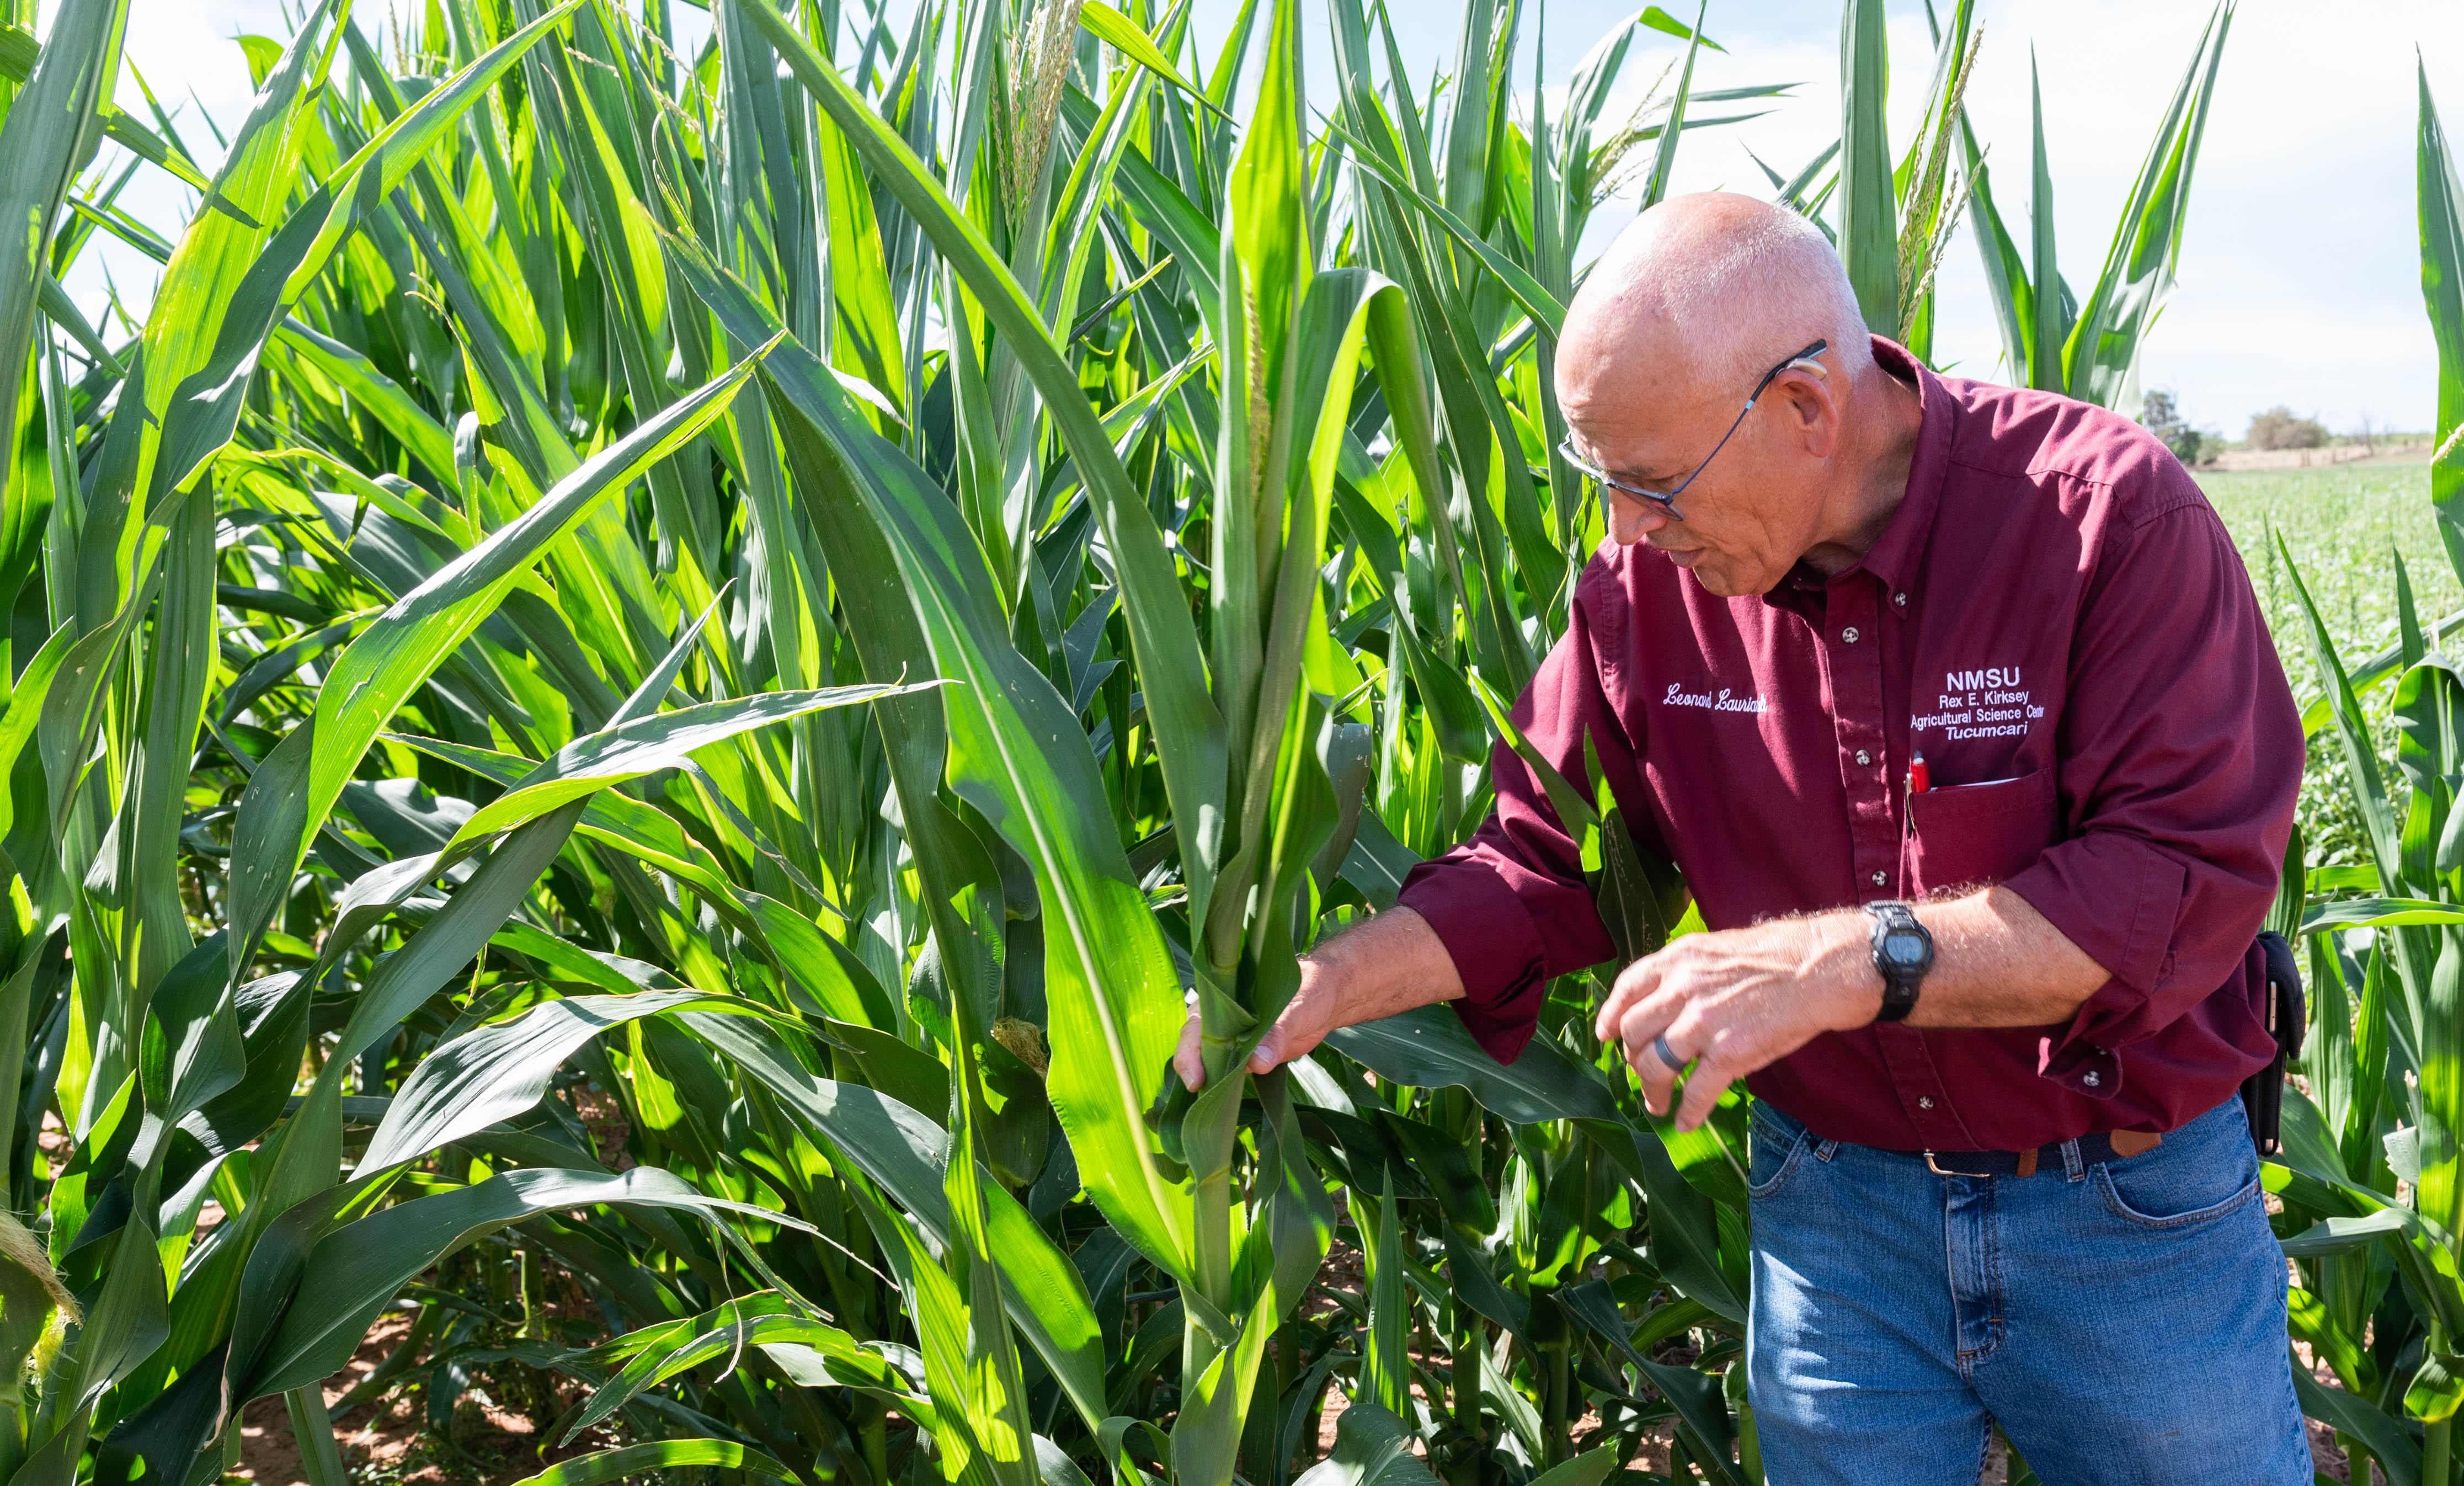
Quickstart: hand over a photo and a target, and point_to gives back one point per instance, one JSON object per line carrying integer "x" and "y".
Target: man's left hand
{"x": 1740, "y": 1000}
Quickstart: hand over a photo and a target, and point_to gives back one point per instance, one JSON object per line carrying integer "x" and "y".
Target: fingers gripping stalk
{"x": 1390, "y": 964}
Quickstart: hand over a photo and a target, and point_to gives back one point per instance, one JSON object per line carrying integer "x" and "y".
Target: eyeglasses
{"x": 1667, "y": 501}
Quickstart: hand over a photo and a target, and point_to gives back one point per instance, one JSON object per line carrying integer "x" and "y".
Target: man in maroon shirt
{"x": 1995, "y": 1008}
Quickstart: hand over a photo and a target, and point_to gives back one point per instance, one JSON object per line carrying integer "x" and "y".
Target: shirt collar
{"x": 1899, "y": 551}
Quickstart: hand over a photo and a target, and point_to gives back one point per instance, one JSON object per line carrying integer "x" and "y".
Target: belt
{"x": 2093, "y": 1150}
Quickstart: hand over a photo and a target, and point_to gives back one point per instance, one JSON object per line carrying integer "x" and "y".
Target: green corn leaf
{"x": 1427, "y": 1047}
{"x": 1590, "y": 1468}
{"x": 428, "y": 441}
{"x": 355, "y": 1271}
{"x": 499, "y": 1070}
{"x": 2357, "y": 913}
{"x": 2442, "y": 289}
{"x": 2006, "y": 267}
{"x": 1695, "y": 1395}
{"x": 1684, "y": 1223}
{"x": 905, "y": 1152}
{"x": 1385, "y": 1361}
{"x": 767, "y": 1323}
{"x": 1123, "y": 32}
{"x": 2397, "y": 1452}
{"x": 48, "y": 128}
{"x": 21, "y": 55}
{"x": 409, "y": 976}
{"x": 2437, "y": 1390}
{"x": 2360, "y": 752}
{"x": 836, "y": 981}
{"x": 228, "y": 286}
{"x": 1663, "y": 162}
{"x": 1204, "y": 1438}
{"x": 632, "y": 1460}
{"x": 1371, "y": 1448}
{"x": 653, "y": 836}
{"x": 1574, "y": 812}
{"x": 647, "y": 745}
{"x": 1115, "y": 996}
{"x": 2049, "y": 331}
{"x": 1869, "y": 233}
{"x": 402, "y": 647}
{"x": 1544, "y": 307}
{"x": 1164, "y": 638}
{"x": 2100, "y": 358}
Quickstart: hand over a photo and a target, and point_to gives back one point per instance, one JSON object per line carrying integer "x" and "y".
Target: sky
{"x": 2300, "y": 276}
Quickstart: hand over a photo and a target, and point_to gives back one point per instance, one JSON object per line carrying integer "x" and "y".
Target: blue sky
{"x": 2300, "y": 272}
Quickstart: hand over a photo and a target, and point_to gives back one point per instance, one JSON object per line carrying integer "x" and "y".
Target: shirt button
{"x": 1925, "y": 1101}
{"x": 1862, "y": 756}
{"x": 1900, "y": 600}
{"x": 1849, "y": 634}
{"x": 2090, "y": 1078}
{"x": 1880, "y": 877}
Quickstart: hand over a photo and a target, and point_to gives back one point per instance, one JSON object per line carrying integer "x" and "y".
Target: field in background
{"x": 2344, "y": 527}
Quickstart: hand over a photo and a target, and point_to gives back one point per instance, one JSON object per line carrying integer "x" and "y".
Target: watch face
{"x": 1903, "y": 947}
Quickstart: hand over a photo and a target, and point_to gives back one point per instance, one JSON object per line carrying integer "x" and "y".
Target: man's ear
{"x": 1808, "y": 405}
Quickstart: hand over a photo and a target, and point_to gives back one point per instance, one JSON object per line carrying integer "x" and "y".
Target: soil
{"x": 388, "y": 1441}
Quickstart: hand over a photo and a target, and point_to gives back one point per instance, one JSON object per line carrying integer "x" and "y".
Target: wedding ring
{"x": 1668, "y": 1053}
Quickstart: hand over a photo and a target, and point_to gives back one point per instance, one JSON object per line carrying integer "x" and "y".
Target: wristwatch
{"x": 1903, "y": 952}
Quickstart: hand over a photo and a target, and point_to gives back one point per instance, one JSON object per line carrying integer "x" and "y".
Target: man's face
{"x": 1747, "y": 517}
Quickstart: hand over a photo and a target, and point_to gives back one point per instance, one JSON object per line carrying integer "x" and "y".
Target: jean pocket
{"x": 1776, "y": 1147}
{"x": 1974, "y": 835}
{"x": 2175, "y": 1194}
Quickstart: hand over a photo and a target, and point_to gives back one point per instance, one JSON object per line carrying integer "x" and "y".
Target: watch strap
{"x": 1900, "y": 977}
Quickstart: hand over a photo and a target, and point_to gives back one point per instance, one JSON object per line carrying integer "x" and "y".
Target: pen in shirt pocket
{"x": 1920, "y": 782}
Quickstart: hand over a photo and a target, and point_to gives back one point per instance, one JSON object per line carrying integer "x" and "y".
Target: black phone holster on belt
{"x": 2288, "y": 1016}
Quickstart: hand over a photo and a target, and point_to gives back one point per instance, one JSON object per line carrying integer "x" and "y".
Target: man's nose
{"x": 1630, "y": 520}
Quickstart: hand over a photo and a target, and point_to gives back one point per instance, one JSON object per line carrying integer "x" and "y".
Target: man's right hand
{"x": 1388, "y": 964}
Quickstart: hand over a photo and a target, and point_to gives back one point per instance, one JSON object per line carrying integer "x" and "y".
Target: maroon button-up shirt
{"x": 2056, "y": 619}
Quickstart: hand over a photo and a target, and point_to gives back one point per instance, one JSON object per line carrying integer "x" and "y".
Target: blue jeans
{"x": 2122, "y": 1322}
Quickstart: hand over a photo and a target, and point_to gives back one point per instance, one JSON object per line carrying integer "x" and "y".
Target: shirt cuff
{"x": 1496, "y": 949}
{"x": 2120, "y": 901}
{"x": 2078, "y": 1065}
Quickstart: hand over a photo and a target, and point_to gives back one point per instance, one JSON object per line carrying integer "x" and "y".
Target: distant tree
{"x": 2278, "y": 428}
{"x": 2162, "y": 417}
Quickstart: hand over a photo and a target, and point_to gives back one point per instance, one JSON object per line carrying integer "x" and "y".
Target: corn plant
{"x": 2051, "y": 339}
{"x": 636, "y": 704}
{"x": 2370, "y": 1173}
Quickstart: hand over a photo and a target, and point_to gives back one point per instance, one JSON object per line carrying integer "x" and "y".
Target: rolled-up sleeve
{"x": 1510, "y": 904}
{"x": 2181, "y": 756}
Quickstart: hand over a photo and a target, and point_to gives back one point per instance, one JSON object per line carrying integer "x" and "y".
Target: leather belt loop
{"x": 2027, "y": 1163}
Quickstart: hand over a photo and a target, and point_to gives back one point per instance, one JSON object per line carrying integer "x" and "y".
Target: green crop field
{"x": 2344, "y": 529}
{"x": 2343, "y": 526}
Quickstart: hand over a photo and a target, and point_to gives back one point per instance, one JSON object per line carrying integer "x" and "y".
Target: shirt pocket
{"x": 1973, "y": 835}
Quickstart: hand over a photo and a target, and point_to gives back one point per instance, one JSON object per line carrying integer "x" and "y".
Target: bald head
{"x": 1675, "y": 326}
{"x": 1699, "y": 296}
